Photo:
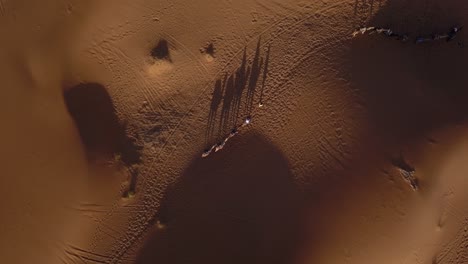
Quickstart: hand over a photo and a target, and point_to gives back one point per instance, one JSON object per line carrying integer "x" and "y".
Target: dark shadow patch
{"x": 131, "y": 190}
{"x": 240, "y": 78}
{"x": 402, "y": 164}
{"x": 209, "y": 49}
{"x": 254, "y": 74}
{"x": 161, "y": 51}
{"x": 103, "y": 136}
{"x": 237, "y": 207}
{"x": 236, "y": 92}
{"x": 215, "y": 103}
{"x": 340, "y": 204}
{"x": 408, "y": 89}
{"x": 265, "y": 74}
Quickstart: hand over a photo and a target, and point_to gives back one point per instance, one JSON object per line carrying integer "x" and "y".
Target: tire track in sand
{"x": 103, "y": 54}
{"x": 109, "y": 54}
{"x": 102, "y": 49}
{"x": 143, "y": 221}
{"x": 149, "y": 205}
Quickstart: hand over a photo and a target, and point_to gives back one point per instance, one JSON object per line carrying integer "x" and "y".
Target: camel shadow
{"x": 236, "y": 93}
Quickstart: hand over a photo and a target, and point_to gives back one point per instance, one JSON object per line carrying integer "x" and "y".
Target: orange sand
{"x": 107, "y": 107}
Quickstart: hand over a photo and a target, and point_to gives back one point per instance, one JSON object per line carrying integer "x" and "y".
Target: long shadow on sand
{"x": 236, "y": 93}
{"x": 237, "y": 207}
{"x": 103, "y": 135}
{"x": 410, "y": 89}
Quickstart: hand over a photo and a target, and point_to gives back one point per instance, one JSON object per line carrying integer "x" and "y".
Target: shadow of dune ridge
{"x": 406, "y": 90}
{"x": 410, "y": 89}
{"x": 236, "y": 92}
{"x": 237, "y": 207}
{"x": 101, "y": 132}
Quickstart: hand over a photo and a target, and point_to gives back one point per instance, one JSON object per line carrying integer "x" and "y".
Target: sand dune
{"x": 355, "y": 153}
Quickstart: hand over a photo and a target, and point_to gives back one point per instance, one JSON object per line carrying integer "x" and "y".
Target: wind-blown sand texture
{"x": 356, "y": 155}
